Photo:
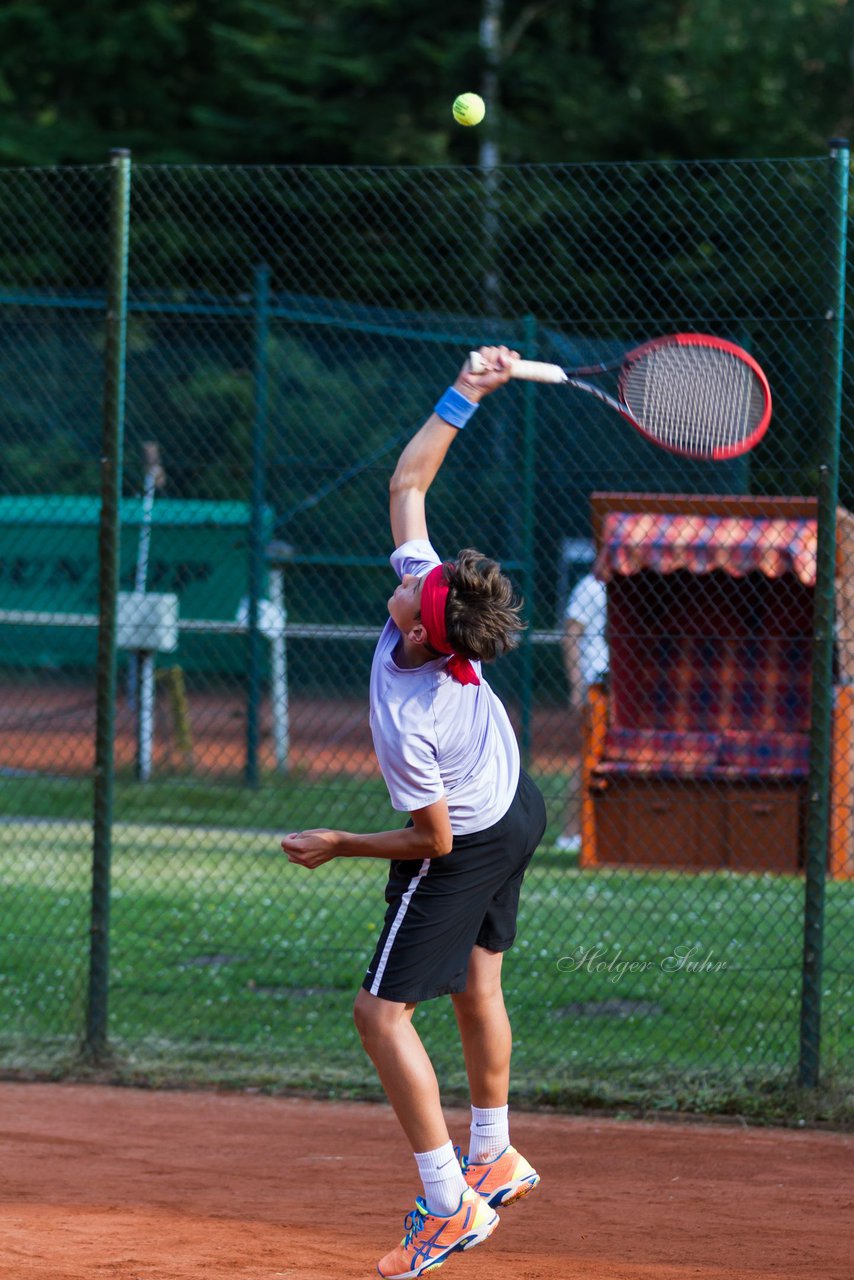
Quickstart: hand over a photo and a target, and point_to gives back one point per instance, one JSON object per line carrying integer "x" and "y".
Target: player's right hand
{"x": 311, "y": 848}
{"x": 498, "y": 362}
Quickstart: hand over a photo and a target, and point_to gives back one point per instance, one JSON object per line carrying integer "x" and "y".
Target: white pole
{"x": 279, "y": 669}
{"x": 140, "y": 678}
{"x": 145, "y": 719}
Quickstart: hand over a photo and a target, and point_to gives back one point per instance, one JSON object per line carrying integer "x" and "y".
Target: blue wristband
{"x": 454, "y": 408}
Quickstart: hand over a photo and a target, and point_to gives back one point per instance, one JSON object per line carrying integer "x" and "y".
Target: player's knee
{"x": 375, "y": 1019}
{"x": 475, "y": 1002}
{"x": 483, "y": 980}
{"x": 359, "y": 1016}
{"x": 367, "y": 1016}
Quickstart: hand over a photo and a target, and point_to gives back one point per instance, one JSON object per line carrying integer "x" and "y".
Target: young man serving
{"x": 450, "y": 760}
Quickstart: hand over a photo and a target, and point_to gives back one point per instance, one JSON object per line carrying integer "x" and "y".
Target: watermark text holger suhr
{"x": 687, "y": 958}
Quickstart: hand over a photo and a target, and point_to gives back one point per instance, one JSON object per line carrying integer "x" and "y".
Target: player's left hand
{"x": 311, "y": 848}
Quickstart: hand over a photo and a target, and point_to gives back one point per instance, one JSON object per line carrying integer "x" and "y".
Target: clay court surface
{"x": 133, "y": 1185}
{"x": 51, "y": 729}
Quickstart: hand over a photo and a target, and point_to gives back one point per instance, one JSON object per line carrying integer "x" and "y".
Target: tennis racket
{"x": 695, "y": 395}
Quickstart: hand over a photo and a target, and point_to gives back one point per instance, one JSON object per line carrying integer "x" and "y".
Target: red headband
{"x": 434, "y": 597}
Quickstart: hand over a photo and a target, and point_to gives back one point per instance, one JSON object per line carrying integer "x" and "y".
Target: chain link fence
{"x": 287, "y": 331}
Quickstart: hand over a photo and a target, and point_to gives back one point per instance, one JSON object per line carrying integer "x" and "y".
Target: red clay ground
{"x": 132, "y": 1185}
{"x": 51, "y": 729}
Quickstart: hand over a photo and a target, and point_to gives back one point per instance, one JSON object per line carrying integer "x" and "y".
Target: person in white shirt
{"x": 450, "y": 760}
{"x": 585, "y": 656}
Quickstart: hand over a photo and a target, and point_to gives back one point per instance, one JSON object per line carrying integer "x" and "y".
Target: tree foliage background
{"x": 371, "y": 81}
{"x": 365, "y": 201}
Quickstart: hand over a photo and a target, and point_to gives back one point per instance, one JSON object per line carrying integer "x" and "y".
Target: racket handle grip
{"x": 528, "y": 370}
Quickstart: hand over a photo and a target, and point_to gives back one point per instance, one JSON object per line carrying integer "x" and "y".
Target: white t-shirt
{"x": 436, "y": 737}
{"x": 587, "y": 606}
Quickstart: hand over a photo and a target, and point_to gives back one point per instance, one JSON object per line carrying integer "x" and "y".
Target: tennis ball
{"x": 469, "y": 108}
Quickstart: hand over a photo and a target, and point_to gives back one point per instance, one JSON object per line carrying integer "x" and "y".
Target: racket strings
{"x": 697, "y": 400}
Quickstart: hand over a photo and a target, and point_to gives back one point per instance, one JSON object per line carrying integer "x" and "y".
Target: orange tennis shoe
{"x": 503, "y": 1180}
{"x": 430, "y": 1239}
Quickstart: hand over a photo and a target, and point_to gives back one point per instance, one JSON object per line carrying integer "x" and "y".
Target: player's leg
{"x": 485, "y": 1029}
{"x": 493, "y": 1167}
{"x": 451, "y": 1216}
{"x": 404, "y": 1068}
{"x": 434, "y": 918}
{"x": 422, "y": 952}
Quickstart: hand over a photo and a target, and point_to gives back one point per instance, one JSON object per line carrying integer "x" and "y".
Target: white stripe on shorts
{"x": 396, "y": 923}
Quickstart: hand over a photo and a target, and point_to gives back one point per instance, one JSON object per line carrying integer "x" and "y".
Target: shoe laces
{"x": 463, "y": 1160}
{"x": 413, "y": 1223}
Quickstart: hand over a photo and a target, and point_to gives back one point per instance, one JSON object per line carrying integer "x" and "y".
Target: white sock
{"x": 490, "y": 1133}
{"x": 442, "y": 1178}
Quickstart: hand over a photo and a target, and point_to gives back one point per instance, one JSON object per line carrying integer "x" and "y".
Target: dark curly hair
{"x": 482, "y": 610}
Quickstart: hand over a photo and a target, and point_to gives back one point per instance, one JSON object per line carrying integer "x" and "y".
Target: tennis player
{"x": 451, "y": 761}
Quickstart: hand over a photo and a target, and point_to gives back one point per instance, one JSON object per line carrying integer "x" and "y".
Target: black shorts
{"x": 440, "y": 908}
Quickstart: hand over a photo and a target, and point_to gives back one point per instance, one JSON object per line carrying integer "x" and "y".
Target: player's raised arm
{"x": 422, "y": 457}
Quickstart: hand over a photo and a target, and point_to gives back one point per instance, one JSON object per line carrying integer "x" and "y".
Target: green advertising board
{"x": 49, "y": 563}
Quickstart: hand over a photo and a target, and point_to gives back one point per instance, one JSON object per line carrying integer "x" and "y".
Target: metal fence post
{"x": 818, "y": 813}
{"x": 254, "y": 655}
{"x": 108, "y": 583}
